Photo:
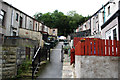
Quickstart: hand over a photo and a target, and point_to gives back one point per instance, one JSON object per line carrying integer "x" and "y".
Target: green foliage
{"x": 24, "y": 68}
{"x": 66, "y": 24}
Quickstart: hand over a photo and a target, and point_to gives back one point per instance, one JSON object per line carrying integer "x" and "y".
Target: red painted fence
{"x": 97, "y": 47}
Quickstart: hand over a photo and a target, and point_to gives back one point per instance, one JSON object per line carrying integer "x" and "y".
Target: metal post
{"x": 62, "y": 54}
{"x": 49, "y": 54}
{"x": 32, "y": 69}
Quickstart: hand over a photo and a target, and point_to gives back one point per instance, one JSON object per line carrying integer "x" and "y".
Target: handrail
{"x": 33, "y": 62}
{"x": 36, "y": 53}
{"x": 41, "y": 54}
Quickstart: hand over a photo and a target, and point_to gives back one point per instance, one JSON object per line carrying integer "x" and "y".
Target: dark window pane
{"x": 14, "y": 33}
{"x": 16, "y": 16}
{"x": 2, "y": 17}
{"x": 114, "y": 34}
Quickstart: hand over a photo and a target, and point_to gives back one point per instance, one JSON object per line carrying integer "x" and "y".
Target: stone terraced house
{"x": 105, "y": 23}
{"x": 19, "y": 34}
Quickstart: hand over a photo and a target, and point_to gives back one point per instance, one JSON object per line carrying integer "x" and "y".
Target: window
{"x": 109, "y": 37}
{"x": 17, "y": 16}
{"x": 30, "y": 24}
{"x": 14, "y": 33}
{"x": 114, "y": 35}
{"x": 108, "y": 10}
{"x": 20, "y": 23}
{"x": 93, "y": 23}
{"x": 96, "y": 16}
{"x": 2, "y": 17}
{"x": 36, "y": 26}
{"x": 103, "y": 16}
{"x": 119, "y": 5}
{"x": 53, "y": 31}
{"x": 85, "y": 27}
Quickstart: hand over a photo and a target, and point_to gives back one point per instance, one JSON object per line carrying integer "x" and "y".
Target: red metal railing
{"x": 97, "y": 47}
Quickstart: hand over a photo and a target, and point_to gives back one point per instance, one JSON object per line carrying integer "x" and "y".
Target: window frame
{"x": 108, "y": 10}
{"x": 114, "y": 34}
{"x": 20, "y": 22}
{"x": 17, "y": 16}
{"x": 3, "y": 17}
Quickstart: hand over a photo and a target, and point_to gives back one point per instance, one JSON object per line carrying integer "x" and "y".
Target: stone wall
{"x": 13, "y": 52}
{"x": 22, "y": 45}
{"x": 0, "y": 62}
{"x": 0, "y": 56}
{"x": 31, "y": 35}
{"x": 9, "y": 67}
{"x": 96, "y": 67}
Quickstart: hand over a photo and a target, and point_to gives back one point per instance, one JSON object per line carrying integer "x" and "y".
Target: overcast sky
{"x": 83, "y": 7}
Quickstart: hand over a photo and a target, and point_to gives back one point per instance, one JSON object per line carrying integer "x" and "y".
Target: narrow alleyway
{"x": 54, "y": 68}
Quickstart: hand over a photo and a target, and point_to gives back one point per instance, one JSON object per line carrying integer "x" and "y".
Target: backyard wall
{"x": 96, "y": 66}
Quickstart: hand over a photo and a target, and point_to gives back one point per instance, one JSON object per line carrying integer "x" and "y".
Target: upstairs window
{"x": 20, "y": 23}
{"x": 94, "y": 23}
{"x": 30, "y": 24}
{"x": 108, "y": 10}
{"x": 17, "y": 16}
{"x": 103, "y": 16}
{"x": 114, "y": 34}
{"x": 36, "y": 26}
{"x": 53, "y": 31}
{"x": 14, "y": 33}
{"x": 119, "y": 5}
{"x": 2, "y": 17}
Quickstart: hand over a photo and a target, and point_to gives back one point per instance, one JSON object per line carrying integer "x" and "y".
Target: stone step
{"x": 30, "y": 71}
{"x": 9, "y": 56}
{"x": 67, "y": 68}
{"x": 0, "y": 65}
{"x": 27, "y": 75}
{"x": 8, "y": 69}
{"x": 66, "y": 63}
{"x": 9, "y": 65}
{"x": 8, "y": 73}
{"x": 11, "y": 61}
{"x": 0, "y": 56}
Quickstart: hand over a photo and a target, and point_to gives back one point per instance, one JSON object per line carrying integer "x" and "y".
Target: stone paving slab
{"x": 68, "y": 70}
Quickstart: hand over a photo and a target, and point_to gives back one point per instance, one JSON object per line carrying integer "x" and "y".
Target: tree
{"x": 65, "y": 23}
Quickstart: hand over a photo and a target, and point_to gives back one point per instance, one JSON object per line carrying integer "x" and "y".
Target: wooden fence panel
{"x": 100, "y": 52}
{"x": 103, "y": 44}
{"x": 107, "y": 49}
{"x": 118, "y": 48}
{"x": 82, "y": 47}
{"x": 97, "y": 47}
{"x": 92, "y": 47}
{"x": 86, "y": 46}
{"x": 110, "y": 47}
{"x": 89, "y": 47}
{"x": 114, "y": 46}
{"x": 96, "y": 42}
